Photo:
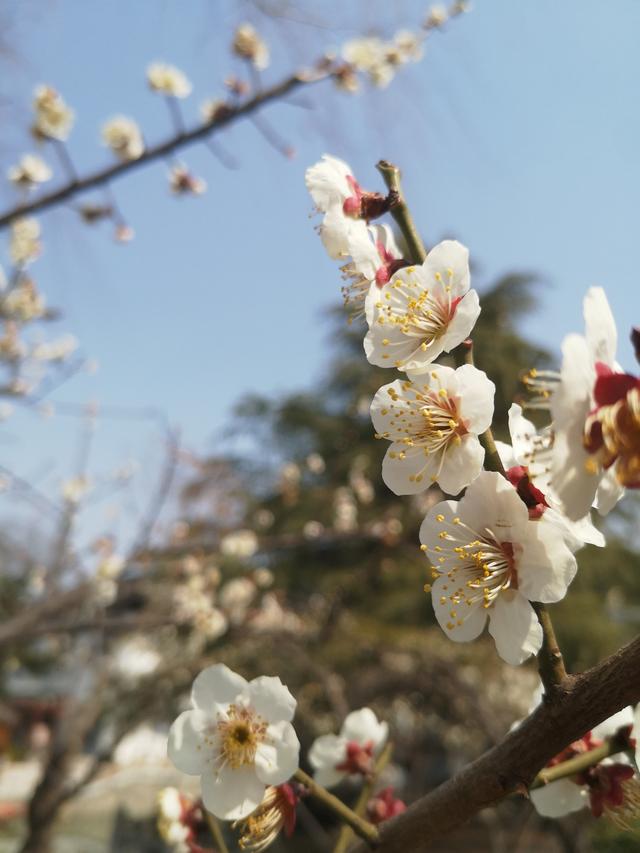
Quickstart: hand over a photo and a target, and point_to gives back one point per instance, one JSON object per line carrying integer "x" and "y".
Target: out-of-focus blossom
{"x": 263, "y": 577}
{"x": 29, "y": 171}
{"x": 236, "y": 597}
{"x": 240, "y": 544}
{"x": 315, "y": 463}
{"x": 75, "y": 489}
{"x": 135, "y": 658}
{"x": 489, "y": 561}
{"x": 238, "y": 738}
{"x": 24, "y": 303}
{"x": 53, "y": 118}
{"x": 361, "y": 739}
{"x": 123, "y": 233}
{"x": 345, "y": 511}
{"x": 312, "y": 529}
{"x": 178, "y": 820}
{"x": 183, "y": 182}
{"x": 123, "y": 136}
{"x": 142, "y": 745}
{"x": 57, "y": 350}
{"x": 272, "y": 616}
{"x": 248, "y": 45}
{"x": 24, "y": 245}
{"x": 212, "y": 109}
{"x": 423, "y": 311}
{"x": 434, "y": 421}
{"x": 384, "y": 805}
{"x": 168, "y": 80}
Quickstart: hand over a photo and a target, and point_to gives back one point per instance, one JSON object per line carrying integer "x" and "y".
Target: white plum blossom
{"x": 25, "y": 245}
{"x": 53, "y": 118}
{"x": 248, "y": 45}
{"x": 168, "y": 80}
{"x": 136, "y": 658}
{"x": 123, "y": 136}
{"x": 24, "y": 303}
{"x": 30, "y": 170}
{"x": 361, "y": 739}
{"x": 490, "y": 561}
{"x": 594, "y": 406}
{"x": 238, "y": 738}
{"x": 337, "y": 194}
{"x": 433, "y": 421}
{"x": 240, "y": 544}
{"x": 528, "y": 463}
{"x": 423, "y": 311}
{"x": 611, "y": 787}
{"x": 375, "y": 257}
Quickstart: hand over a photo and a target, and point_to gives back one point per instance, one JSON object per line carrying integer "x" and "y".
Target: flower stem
{"x": 400, "y": 212}
{"x": 214, "y": 826}
{"x": 365, "y": 795}
{"x": 360, "y": 826}
{"x": 576, "y": 765}
{"x": 550, "y": 660}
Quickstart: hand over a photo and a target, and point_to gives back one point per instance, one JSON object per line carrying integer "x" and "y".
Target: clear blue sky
{"x": 518, "y": 133}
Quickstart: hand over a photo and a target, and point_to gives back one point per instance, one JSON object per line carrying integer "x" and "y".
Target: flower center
{"x": 478, "y": 566}
{"x": 239, "y": 736}
{"x": 426, "y": 314}
{"x": 612, "y": 429}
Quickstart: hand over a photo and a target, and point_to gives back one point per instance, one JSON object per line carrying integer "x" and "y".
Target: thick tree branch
{"x": 581, "y": 703}
{"x": 550, "y": 660}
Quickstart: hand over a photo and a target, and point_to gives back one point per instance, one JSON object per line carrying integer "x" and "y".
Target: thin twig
{"x": 361, "y": 827}
{"x": 400, "y": 212}
{"x": 164, "y": 149}
{"x": 346, "y": 833}
{"x": 550, "y": 660}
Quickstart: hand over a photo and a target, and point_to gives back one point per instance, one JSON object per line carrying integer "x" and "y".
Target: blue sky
{"x": 518, "y": 133}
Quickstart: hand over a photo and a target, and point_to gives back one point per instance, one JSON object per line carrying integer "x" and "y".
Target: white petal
{"x": 232, "y": 794}
{"x": 473, "y": 618}
{"x": 328, "y": 777}
{"x": 461, "y": 324}
{"x": 430, "y": 528}
{"x": 277, "y": 758}
{"x": 600, "y": 327}
{"x": 610, "y": 726}
{"x": 383, "y": 409}
{"x": 326, "y": 180}
{"x": 476, "y": 392}
{"x": 515, "y": 627}
{"x": 335, "y": 231}
{"x": 545, "y": 565}
{"x": 506, "y": 454}
{"x": 271, "y": 699}
{"x": 462, "y": 464}
{"x": 216, "y": 684}
{"x": 401, "y": 475}
{"x": 363, "y": 727}
{"x": 492, "y": 502}
{"x": 327, "y": 751}
{"x": 572, "y": 480}
{"x": 609, "y": 492}
{"x": 186, "y": 747}
{"x": 559, "y": 798}
{"x": 362, "y": 249}
{"x": 450, "y": 255}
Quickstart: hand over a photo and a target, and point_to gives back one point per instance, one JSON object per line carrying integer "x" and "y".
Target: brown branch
{"x": 23, "y": 623}
{"x": 583, "y": 702}
{"x": 550, "y": 660}
{"x": 400, "y": 212}
{"x": 225, "y": 116}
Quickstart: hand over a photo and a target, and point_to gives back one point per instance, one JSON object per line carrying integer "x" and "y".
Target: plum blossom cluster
{"x": 608, "y": 787}
{"x": 239, "y": 739}
{"x": 508, "y": 544}
{"x": 379, "y": 59}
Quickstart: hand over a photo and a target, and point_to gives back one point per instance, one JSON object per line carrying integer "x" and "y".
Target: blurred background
{"x": 197, "y": 480}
